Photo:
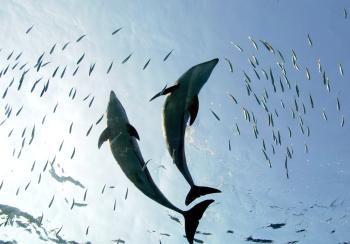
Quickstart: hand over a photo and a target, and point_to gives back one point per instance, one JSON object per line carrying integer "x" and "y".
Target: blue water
{"x": 75, "y": 192}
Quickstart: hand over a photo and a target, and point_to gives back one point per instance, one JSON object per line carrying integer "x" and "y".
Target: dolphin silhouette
{"x": 122, "y": 138}
{"x": 180, "y": 105}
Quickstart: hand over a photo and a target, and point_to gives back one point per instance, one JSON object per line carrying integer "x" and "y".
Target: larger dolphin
{"x": 180, "y": 105}
{"x": 122, "y": 138}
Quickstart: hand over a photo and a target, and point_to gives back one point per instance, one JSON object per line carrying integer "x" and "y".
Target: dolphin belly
{"x": 127, "y": 153}
{"x": 175, "y": 118}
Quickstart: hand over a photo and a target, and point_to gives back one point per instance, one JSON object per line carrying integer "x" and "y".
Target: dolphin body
{"x": 181, "y": 105}
{"x": 122, "y": 138}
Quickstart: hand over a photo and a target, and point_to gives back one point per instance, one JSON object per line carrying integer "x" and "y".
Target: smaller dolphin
{"x": 180, "y": 106}
{"x": 122, "y": 138}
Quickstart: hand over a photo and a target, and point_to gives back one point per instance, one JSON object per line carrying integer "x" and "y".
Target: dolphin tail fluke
{"x": 192, "y": 218}
{"x": 197, "y": 191}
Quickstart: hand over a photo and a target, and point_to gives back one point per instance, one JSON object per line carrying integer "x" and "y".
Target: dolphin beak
{"x": 112, "y": 108}
{"x": 212, "y": 63}
{"x": 112, "y": 96}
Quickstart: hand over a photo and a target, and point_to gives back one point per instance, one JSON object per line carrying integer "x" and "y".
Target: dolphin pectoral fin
{"x": 105, "y": 135}
{"x": 165, "y": 91}
{"x": 132, "y": 131}
{"x": 193, "y": 109}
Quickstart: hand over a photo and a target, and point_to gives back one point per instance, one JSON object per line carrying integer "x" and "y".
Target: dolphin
{"x": 122, "y": 138}
{"x": 181, "y": 105}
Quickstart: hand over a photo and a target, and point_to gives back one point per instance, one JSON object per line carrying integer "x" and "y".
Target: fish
{"x": 55, "y": 71}
{"x": 127, "y": 58}
{"x": 14, "y": 66}
{"x": 70, "y": 128}
{"x": 167, "y": 56}
{"x": 91, "y": 101}
{"x": 146, "y": 64}
{"x": 99, "y": 120}
{"x": 22, "y": 67}
{"x": 59, "y": 230}
{"x": 73, "y": 153}
{"x": 342, "y": 121}
{"x": 63, "y": 72}
{"x": 267, "y": 46}
{"x": 55, "y": 108}
{"x": 237, "y": 128}
{"x": 65, "y": 46}
{"x": 22, "y": 79}
{"x": 80, "y": 38}
{"x": 61, "y": 145}
{"x": 85, "y": 98}
{"x": 110, "y": 67}
{"x": 307, "y": 73}
{"x": 10, "y": 133}
{"x": 50, "y": 204}
{"x": 253, "y": 42}
{"x": 89, "y": 130}
{"x": 5, "y": 93}
{"x": 345, "y": 14}
{"x": 122, "y": 138}
{"x": 92, "y": 66}
{"x": 233, "y": 98}
{"x": 75, "y": 71}
{"x": 294, "y": 56}
{"x": 215, "y": 115}
{"x": 230, "y": 64}
{"x": 27, "y": 186}
{"x": 264, "y": 72}
{"x": 338, "y": 104}
{"x": 116, "y": 31}
{"x": 52, "y": 48}
{"x": 180, "y": 106}
{"x": 10, "y": 55}
{"x": 18, "y": 56}
{"x": 73, "y": 203}
{"x": 236, "y": 46}
{"x": 250, "y": 238}
{"x": 80, "y": 59}
{"x": 45, "y": 166}
{"x": 29, "y": 29}
{"x": 256, "y": 73}
{"x": 309, "y": 40}
{"x": 341, "y": 71}
{"x": 311, "y": 101}
{"x": 127, "y": 191}
{"x": 324, "y": 115}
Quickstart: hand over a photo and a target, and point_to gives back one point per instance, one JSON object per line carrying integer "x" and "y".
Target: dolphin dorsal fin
{"x": 105, "y": 135}
{"x": 193, "y": 108}
{"x": 132, "y": 131}
{"x": 165, "y": 91}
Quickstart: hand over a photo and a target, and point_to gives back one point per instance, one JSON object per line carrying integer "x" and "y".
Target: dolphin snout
{"x": 112, "y": 96}
{"x": 212, "y": 63}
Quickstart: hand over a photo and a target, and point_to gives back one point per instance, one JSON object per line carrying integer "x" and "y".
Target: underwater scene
{"x": 166, "y": 122}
